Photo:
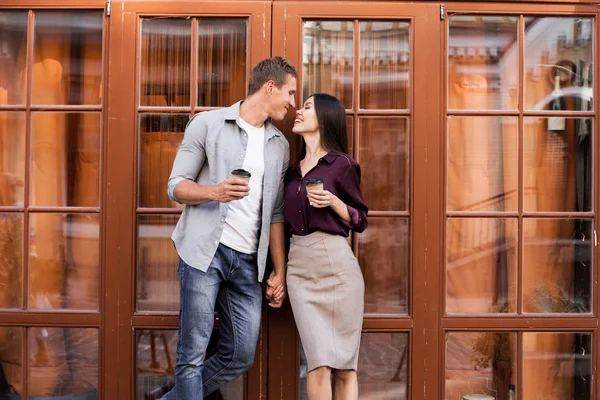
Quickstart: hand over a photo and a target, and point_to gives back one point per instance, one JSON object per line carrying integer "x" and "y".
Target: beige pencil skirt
{"x": 326, "y": 291}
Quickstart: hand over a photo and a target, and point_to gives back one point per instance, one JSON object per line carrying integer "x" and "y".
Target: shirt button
{"x": 216, "y": 242}
{"x": 241, "y": 156}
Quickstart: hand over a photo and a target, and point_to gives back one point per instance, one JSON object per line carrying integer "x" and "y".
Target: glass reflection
{"x": 157, "y": 283}
{"x": 383, "y": 254}
{"x": 558, "y": 164}
{"x": 384, "y": 160}
{"x": 67, "y": 57}
{"x": 11, "y": 260}
{"x": 63, "y": 362}
{"x": 485, "y": 361}
{"x": 482, "y": 164}
{"x": 328, "y": 59}
{"x": 65, "y": 159}
{"x": 350, "y": 126}
{"x": 483, "y": 62}
{"x": 166, "y": 45}
{"x": 64, "y": 261}
{"x": 156, "y": 352}
{"x": 557, "y": 265}
{"x": 382, "y": 366}
{"x": 13, "y": 42}
{"x": 384, "y": 64}
{"x": 12, "y": 158}
{"x": 155, "y": 362}
{"x": 222, "y": 44}
{"x": 11, "y": 361}
{"x": 558, "y": 63}
{"x": 160, "y": 137}
{"x": 481, "y": 265}
{"x": 557, "y": 365}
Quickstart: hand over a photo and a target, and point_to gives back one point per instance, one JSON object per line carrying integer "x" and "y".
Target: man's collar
{"x": 233, "y": 112}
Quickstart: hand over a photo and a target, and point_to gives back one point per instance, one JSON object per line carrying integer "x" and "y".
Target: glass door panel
{"x": 183, "y": 61}
{"x": 328, "y": 59}
{"x": 14, "y": 26}
{"x": 168, "y": 79}
{"x": 383, "y": 142}
{"x": 382, "y": 148}
{"x": 160, "y": 134}
{"x": 519, "y": 219}
{"x": 384, "y": 73}
{"x": 480, "y": 76}
{"x": 558, "y": 57}
{"x": 51, "y": 132}
{"x": 155, "y": 362}
{"x": 165, "y": 62}
{"x": 368, "y": 63}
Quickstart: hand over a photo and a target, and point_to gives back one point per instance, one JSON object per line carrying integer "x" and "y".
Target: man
{"x": 226, "y": 227}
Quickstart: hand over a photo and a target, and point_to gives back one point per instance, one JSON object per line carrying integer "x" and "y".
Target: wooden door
{"x": 52, "y": 125}
{"x": 171, "y": 60}
{"x": 382, "y": 61}
{"x": 518, "y": 214}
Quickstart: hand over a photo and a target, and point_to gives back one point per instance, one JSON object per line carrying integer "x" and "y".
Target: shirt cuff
{"x": 354, "y": 217}
{"x": 171, "y": 188}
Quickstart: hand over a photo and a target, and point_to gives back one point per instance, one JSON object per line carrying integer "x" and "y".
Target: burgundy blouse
{"x": 341, "y": 176}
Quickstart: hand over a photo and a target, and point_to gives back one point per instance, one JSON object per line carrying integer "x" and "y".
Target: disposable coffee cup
{"x": 241, "y": 174}
{"x": 313, "y": 184}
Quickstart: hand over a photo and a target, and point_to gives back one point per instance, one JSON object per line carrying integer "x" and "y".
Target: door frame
{"x": 421, "y": 322}
{"x": 525, "y": 322}
{"x": 121, "y": 211}
{"x": 61, "y": 318}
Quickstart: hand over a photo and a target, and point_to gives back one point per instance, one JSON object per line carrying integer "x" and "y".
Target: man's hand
{"x": 231, "y": 189}
{"x": 275, "y": 292}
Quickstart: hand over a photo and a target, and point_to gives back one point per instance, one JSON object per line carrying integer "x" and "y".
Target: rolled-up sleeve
{"x": 190, "y": 156}
{"x": 278, "y": 211}
{"x": 351, "y": 195}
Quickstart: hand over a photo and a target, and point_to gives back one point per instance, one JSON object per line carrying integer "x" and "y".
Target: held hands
{"x": 231, "y": 189}
{"x": 321, "y": 198}
{"x": 275, "y": 292}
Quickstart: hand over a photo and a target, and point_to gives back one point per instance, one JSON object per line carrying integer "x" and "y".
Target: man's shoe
{"x": 159, "y": 392}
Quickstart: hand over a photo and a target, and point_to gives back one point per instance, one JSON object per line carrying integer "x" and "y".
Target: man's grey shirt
{"x": 213, "y": 145}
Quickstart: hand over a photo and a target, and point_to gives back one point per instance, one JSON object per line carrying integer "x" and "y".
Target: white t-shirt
{"x": 242, "y": 224}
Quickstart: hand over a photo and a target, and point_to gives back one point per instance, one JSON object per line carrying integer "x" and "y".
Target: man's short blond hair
{"x": 276, "y": 69}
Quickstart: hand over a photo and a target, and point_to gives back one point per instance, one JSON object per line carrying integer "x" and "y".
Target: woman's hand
{"x": 276, "y": 292}
{"x": 324, "y": 198}
{"x": 321, "y": 198}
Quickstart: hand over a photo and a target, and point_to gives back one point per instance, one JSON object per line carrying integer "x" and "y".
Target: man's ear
{"x": 269, "y": 86}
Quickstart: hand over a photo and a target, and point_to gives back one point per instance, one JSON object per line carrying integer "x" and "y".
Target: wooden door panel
{"x": 178, "y": 59}
{"x": 367, "y": 55}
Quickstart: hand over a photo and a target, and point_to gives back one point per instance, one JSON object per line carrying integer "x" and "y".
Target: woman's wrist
{"x": 340, "y": 208}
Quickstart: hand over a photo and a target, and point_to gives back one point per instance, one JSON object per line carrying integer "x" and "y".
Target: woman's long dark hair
{"x": 331, "y": 116}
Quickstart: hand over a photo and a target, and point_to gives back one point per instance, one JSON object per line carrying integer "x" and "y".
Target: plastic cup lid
{"x": 313, "y": 182}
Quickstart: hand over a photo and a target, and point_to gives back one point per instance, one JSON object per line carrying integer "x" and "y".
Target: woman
{"x": 325, "y": 283}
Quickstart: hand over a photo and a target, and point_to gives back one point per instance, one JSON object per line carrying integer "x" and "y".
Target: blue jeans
{"x": 230, "y": 287}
